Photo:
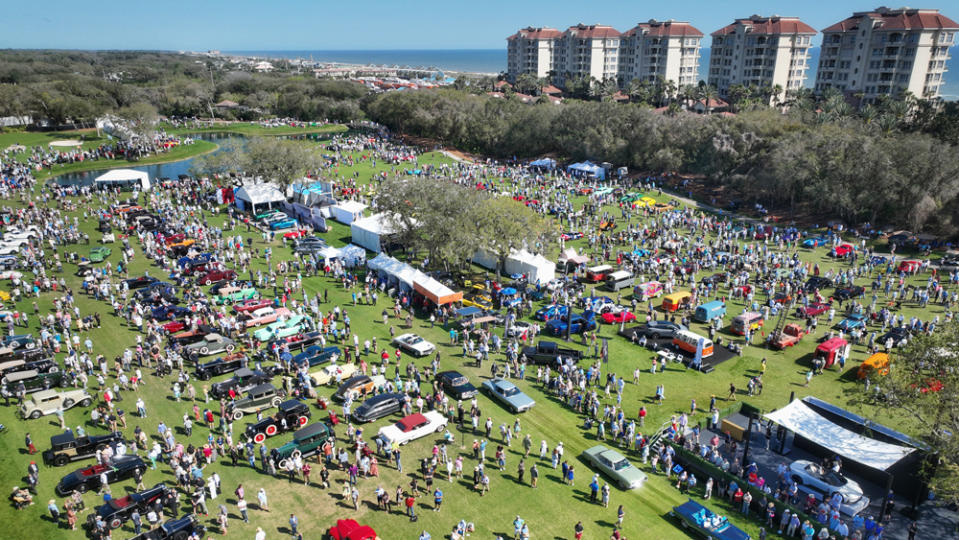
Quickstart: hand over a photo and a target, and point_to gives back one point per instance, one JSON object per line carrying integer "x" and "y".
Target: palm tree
{"x": 777, "y": 96}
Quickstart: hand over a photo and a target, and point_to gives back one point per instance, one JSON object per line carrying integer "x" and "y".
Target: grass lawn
{"x": 551, "y": 509}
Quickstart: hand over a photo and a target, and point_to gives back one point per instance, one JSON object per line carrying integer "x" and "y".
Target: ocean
{"x": 494, "y": 61}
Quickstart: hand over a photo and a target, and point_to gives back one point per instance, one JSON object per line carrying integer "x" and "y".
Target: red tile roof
{"x": 550, "y": 89}
{"x": 768, "y": 25}
{"x": 593, "y": 31}
{"x": 656, "y": 28}
{"x": 531, "y": 32}
{"x": 892, "y": 20}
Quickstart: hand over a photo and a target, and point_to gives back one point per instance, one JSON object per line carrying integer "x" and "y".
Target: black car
{"x": 816, "y": 283}
{"x": 19, "y": 341}
{"x": 187, "y": 337}
{"x": 296, "y": 342}
{"x": 104, "y": 226}
{"x": 227, "y": 364}
{"x": 27, "y": 355}
{"x": 65, "y": 447}
{"x": 43, "y": 365}
{"x": 241, "y": 381}
{"x": 660, "y": 329}
{"x": 115, "y": 512}
{"x": 899, "y": 335}
{"x": 848, "y": 293}
{"x": 32, "y": 381}
{"x": 292, "y": 415}
{"x": 716, "y": 279}
{"x": 175, "y": 529}
{"x": 377, "y": 407}
{"x": 315, "y": 355}
{"x": 81, "y": 480}
{"x": 140, "y": 282}
{"x": 455, "y": 384}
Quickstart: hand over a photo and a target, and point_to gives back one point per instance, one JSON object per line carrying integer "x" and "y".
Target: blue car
{"x": 852, "y": 321}
{"x": 815, "y": 241}
{"x": 550, "y": 312}
{"x": 8, "y": 261}
{"x": 202, "y": 258}
{"x": 877, "y": 260}
{"x": 508, "y": 394}
{"x": 577, "y": 324}
{"x": 288, "y": 223}
{"x": 168, "y": 313}
{"x": 509, "y": 297}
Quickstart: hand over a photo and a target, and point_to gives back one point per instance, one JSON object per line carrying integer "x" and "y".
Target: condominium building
{"x": 587, "y": 50}
{"x": 886, "y": 52}
{"x": 530, "y": 51}
{"x": 760, "y": 51}
{"x": 667, "y": 49}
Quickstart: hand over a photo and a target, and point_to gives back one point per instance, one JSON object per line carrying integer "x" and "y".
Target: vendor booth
{"x": 371, "y": 232}
{"x": 587, "y": 169}
{"x": 125, "y": 178}
{"x": 259, "y": 197}
{"x": 397, "y": 273}
{"x": 546, "y": 164}
{"x": 536, "y": 268}
{"x": 347, "y": 212}
{"x": 434, "y": 291}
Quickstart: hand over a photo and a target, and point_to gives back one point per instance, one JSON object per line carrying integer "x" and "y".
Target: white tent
{"x": 570, "y": 255}
{"x": 536, "y": 267}
{"x": 347, "y": 212}
{"x": 369, "y": 231}
{"x": 485, "y": 259}
{"x": 352, "y": 255}
{"x": 804, "y": 421}
{"x": 260, "y": 196}
{"x": 124, "y": 177}
{"x": 394, "y": 269}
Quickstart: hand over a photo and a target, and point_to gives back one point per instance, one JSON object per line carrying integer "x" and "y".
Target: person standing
{"x": 29, "y": 444}
{"x": 261, "y": 499}
{"x": 410, "y": 504}
{"x": 260, "y": 534}
{"x": 578, "y": 530}
{"x": 913, "y": 529}
{"x": 533, "y": 475}
{"x": 54, "y": 511}
{"x": 294, "y": 522}
{"x": 437, "y": 500}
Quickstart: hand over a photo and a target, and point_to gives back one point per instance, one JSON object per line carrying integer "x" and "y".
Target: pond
{"x": 157, "y": 170}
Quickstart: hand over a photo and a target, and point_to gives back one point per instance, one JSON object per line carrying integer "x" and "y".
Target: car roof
{"x": 409, "y": 422}
{"x": 243, "y": 372}
{"x": 261, "y": 388}
{"x": 310, "y": 431}
{"x": 289, "y": 405}
{"x": 375, "y": 400}
{"x": 62, "y": 438}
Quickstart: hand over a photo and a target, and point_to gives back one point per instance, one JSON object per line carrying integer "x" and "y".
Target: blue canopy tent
{"x": 587, "y": 169}
{"x": 545, "y": 163}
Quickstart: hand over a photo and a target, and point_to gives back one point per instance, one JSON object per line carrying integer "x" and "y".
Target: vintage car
{"x": 116, "y": 512}
{"x": 617, "y": 316}
{"x": 296, "y": 233}
{"x": 99, "y": 254}
{"x": 315, "y": 355}
{"x": 32, "y": 381}
{"x": 306, "y": 442}
{"x": 226, "y": 364}
{"x": 65, "y": 447}
{"x": 279, "y": 329}
{"x": 508, "y": 394}
{"x": 120, "y": 468}
{"x": 183, "y": 528}
{"x": 240, "y": 382}
{"x": 358, "y": 387}
{"x": 279, "y": 224}
{"x": 232, "y": 295}
{"x": 848, "y": 293}
{"x": 703, "y": 522}
{"x": 252, "y": 304}
{"x": 208, "y": 277}
{"x": 139, "y": 282}
{"x": 412, "y": 427}
{"x": 211, "y": 344}
{"x": 290, "y": 415}
{"x": 169, "y": 312}
{"x": 623, "y": 473}
{"x": 378, "y": 406}
{"x": 842, "y": 250}
{"x": 50, "y": 401}
{"x": 332, "y": 374}
{"x": 262, "y": 396}
{"x": 264, "y": 315}
{"x": 852, "y": 322}
{"x": 814, "y": 309}
{"x": 414, "y": 344}
{"x": 647, "y": 290}
{"x": 455, "y": 384}
{"x": 350, "y": 529}
{"x": 192, "y": 335}
{"x": 815, "y": 241}
{"x": 295, "y": 342}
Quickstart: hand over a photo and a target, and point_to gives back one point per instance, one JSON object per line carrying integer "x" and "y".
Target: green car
{"x": 281, "y": 329}
{"x": 99, "y": 254}
{"x": 306, "y": 442}
{"x": 264, "y": 215}
{"x": 631, "y": 197}
{"x": 613, "y": 464}
{"x": 232, "y": 295}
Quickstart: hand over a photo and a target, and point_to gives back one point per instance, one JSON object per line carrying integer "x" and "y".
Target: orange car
{"x": 183, "y": 243}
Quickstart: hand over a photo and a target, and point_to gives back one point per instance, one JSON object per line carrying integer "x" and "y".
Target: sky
{"x": 199, "y": 25}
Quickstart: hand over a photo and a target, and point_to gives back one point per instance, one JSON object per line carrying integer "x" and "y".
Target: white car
{"x": 823, "y": 483}
{"x": 7, "y": 249}
{"x": 25, "y": 235}
{"x": 517, "y": 328}
{"x": 414, "y": 344}
{"x": 413, "y": 427}
{"x": 47, "y": 402}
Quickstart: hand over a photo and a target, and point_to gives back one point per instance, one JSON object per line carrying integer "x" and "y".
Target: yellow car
{"x": 183, "y": 243}
{"x": 5, "y": 296}
{"x": 478, "y": 300}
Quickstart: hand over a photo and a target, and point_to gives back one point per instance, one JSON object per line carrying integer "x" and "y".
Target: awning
{"x": 435, "y": 291}
{"x": 802, "y": 420}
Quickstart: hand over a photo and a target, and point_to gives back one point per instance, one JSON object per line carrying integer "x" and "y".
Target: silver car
{"x": 823, "y": 483}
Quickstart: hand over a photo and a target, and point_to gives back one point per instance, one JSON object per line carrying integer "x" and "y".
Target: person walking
{"x": 241, "y": 506}
{"x": 261, "y": 499}
{"x": 294, "y": 523}
{"x": 54, "y": 511}
{"x": 29, "y": 444}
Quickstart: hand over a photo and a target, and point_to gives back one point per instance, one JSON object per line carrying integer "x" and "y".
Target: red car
{"x": 174, "y": 238}
{"x": 215, "y": 275}
{"x": 196, "y": 269}
{"x": 349, "y": 529}
{"x": 842, "y": 250}
{"x": 296, "y": 234}
{"x": 174, "y": 326}
{"x": 252, "y": 304}
{"x": 616, "y": 318}
{"x": 909, "y": 266}
{"x": 814, "y": 310}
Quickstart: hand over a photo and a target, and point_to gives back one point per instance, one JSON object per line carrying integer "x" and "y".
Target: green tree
{"x": 504, "y": 225}
{"x": 280, "y": 160}
{"x": 141, "y": 116}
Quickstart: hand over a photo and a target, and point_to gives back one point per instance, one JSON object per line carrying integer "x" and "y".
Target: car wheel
{"x": 82, "y": 488}
{"x": 180, "y": 535}
{"x": 440, "y": 428}
{"x": 275, "y": 402}
{"x": 302, "y": 420}
{"x": 54, "y": 369}
{"x": 230, "y": 347}
{"x": 86, "y": 402}
{"x": 259, "y": 438}
{"x": 296, "y": 453}
{"x": 208, "y": 282}
{"x": 67, "y": 403}
{"x": 271, "y": 430}
{"x": 283, "y": 464}
{"x": 237, "y": 415}
{"x": 35, "y": 414}
{"x": 61, "y": 460}
{"x": 204, "y": 350}
{"x": 205, "y": 376}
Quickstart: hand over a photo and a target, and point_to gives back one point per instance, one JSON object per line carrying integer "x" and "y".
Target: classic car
{"x": 842, "y": 250}
{"x": 412, "y": 427}
{"x": 17, "y": 341}
{"x": 822, "y": 483}
{"x": 508, "y": 394}
{"x": 479, "y": 300}
{"x": 577, "y": 323}
{"x": 99, "y": 254}
{"x": 848, "y": 293}
{"x": 378, "y": 406}
{"x": 50, "y": 401}
{"x": 241, "y": 381}
{"x": 168, "y": 312}
{"x": 211, "y": 344}
{"x": 252, "y": 304}
{"x": 414, "y": 344}
{"x": 189, "y": 262}
{"x": 852, "y": 321}
{"x": 518, "y": 328}
{"x": 139, "y": 282}
{"x": 617, "y": 316}
{"x": 815, "y": 241}
{"x": 280, "y": 329}
{"x": 295, "y": 342}
{"x": 306, "y": 442}
{"x": 897, "y": 336}
{"x": 455, "y": 384}
{"x": 290, "y": 415}
{"x": 359, "y": 386}
{"x": 25, "y": 360}
{"x": 215, "y": 275}
{"x": 702, "y": 521}
{"x": 350, "y": 529}
{"x": 264, "y": 315}
{"x": 226, "y": 364}
{"x": 296, "y": 233}
{"x": 65, "y": 447}
{"x": 192, "y": 335}
{"x": 315, "y": 355}
{"x": 550, "y": 312}
{"x": 183, "y": 528}
{"x": 613, "y": 464}
{"x": 309, "y": 244}
{"x": 332, "y": 374}
{"x": 266, "y": 214}
{"x": 232, "y": 295}
{"x": 815, "y": 283}
{"x": 120, "y": 468}
{"x": 813, "y": 310}
{"x": 261, "y": 396}
{"x": 32, "y": 381}
{"x": 116, "y": 512}
{"x": 279, "y": 224}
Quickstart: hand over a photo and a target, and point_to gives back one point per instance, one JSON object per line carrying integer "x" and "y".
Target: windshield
{"x": 512, "y": 391}
{"x": 834, "y": 479}
{"x": 620, "y": 465}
